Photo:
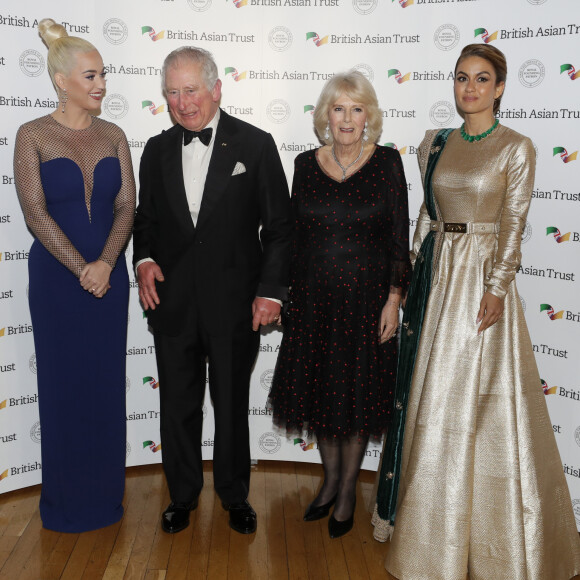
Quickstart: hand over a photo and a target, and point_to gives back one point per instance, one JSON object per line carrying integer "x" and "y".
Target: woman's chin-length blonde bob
{"x": 357, "y": 87}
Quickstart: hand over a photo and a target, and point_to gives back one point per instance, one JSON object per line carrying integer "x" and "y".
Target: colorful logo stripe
{"x": 152, "y": 35}
{"x": 564, "y": 154}
{"x": 485, "y": 35}
{"x": 398, "y": 76}
{"x": 303, "y": 445}
{"x": 557, "y": 235}
{"x": 551, "y": 312}
{"x": 548, "y": 390}
{"x": 151, "y": 444}
{"x": 316, "y": 39}
{"x": 151, "y": 105}
{"x": 151, "y": 381}
{"x": 235, "y": 74}
{"x": 570, "y": 70}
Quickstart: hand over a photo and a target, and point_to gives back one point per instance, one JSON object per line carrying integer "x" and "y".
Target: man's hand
{"x": 147, "y": 274}
{"x": 490, "y": 310}
{"x": 264, "y": 312}
{"x": 94, "y": 278}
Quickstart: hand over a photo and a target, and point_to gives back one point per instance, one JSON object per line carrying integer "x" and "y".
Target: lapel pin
{"x": 224, "y": 144}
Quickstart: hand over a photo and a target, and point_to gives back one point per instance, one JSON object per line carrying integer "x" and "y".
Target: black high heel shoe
{"x": 337, "y": 529}
{"x": 318, "y": 512}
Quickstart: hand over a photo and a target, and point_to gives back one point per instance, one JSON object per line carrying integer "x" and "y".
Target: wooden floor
{"x": 136, "y": 548}
{"x": 284, "y": 547}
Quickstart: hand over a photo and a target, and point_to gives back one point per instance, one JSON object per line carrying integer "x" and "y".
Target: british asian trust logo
{"x": 547, "y": 389}
{"x": 152, "y": 34}
{"x": 404, "y": 3}
{"x": 303, "y": 445}
{"x": 318, "y": 41}
{"x": 399, "y": 77}
{"x": 563, "y": 153}
{"x": 151, "y": 381}
{"x": 237, "y": 76}
{"x": 558, "y": 236}
{"x": 485, "y": 35}
{"x": 561, "y": 392}
{"x": 568, "y": 68}
{"x": 153, "y": 109}
{"x": 560, "y": 314}
{"x": 152, "y": 446}
{"x": 552, "y": 314}
{"x": 240, "y": 3}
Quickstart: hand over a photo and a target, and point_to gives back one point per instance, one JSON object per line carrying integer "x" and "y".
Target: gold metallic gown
{"x": 482, "y": 488}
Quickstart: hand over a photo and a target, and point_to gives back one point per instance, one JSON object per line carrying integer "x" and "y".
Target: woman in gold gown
{"x": 481, "y": 483}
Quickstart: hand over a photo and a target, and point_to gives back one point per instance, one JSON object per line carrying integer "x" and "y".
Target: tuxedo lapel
{"x": 221, "y": 166}
{"x": 172, "y": 167}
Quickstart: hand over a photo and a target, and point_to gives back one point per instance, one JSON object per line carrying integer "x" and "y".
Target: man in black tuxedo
{"x": 209, "y": 277}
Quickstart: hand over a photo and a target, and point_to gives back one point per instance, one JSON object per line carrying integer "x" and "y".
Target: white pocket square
{"x": 239, "y": 168}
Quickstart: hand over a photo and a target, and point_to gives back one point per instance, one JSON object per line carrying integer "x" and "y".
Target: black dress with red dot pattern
{"x": 350, "y": 249}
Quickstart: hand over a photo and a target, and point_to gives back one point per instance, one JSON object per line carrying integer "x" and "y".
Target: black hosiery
{"x": 330, "y": 453}
{"x": 352, "y": 453}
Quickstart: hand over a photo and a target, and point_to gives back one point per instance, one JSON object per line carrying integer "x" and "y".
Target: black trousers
{"x": 181, "y": 360}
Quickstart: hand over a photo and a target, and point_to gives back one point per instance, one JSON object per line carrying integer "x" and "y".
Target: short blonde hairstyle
{"x": 359, "y": 89}
{"x": 62, "y": 48}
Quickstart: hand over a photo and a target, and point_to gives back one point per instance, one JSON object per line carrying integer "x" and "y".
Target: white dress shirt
{"x": 195, "y": 159}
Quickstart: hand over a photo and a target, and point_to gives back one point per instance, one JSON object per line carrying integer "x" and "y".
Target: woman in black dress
{"x": 335, "y": 374}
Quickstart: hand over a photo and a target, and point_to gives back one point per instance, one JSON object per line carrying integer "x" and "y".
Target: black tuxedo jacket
{"x": 226, "y": 260}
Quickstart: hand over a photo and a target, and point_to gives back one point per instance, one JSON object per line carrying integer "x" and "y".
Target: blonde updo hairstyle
{"x": 356, "y": 86}
{"x": 62, "y": 48}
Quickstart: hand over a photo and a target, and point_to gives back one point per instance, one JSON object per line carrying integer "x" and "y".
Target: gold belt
{"x": 467, "y": 228}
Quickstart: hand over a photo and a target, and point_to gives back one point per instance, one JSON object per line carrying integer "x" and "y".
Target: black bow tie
{"x": 204, "y": 136}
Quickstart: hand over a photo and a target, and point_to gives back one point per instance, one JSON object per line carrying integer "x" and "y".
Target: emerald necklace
{"x": 472, "y": 138}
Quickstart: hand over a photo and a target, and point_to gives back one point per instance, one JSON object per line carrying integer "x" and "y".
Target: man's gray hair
{"x": 192, "y": 54}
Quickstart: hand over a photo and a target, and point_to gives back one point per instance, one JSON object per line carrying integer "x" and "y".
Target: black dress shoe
{"x": 176, "y": 517}
{"x": 242, "y": 517}
{"x": 337, "y": 529}
{"x": 317, "y": 512}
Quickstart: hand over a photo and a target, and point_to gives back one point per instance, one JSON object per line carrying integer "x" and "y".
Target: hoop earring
{"x": 63, "y": 99}
{"x": 327, "y": 132}
{"x": 365, "y": 132}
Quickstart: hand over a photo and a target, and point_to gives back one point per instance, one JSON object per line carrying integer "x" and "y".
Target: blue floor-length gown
{"x": 80, "y": 340}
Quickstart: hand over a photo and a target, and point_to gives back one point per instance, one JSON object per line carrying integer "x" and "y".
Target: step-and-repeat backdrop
{"x": 273, "y": 58}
